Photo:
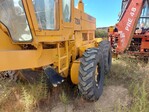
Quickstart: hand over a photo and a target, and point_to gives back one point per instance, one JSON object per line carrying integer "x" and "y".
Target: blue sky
{"x": 105, "y": 11}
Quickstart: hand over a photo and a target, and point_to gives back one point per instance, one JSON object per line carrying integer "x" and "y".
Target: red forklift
{"x": 131, "y": 33}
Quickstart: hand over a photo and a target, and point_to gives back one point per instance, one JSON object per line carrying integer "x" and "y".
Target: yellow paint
{"x": 98, "y": 40}
{"x": 81, "y": 6}
{"x": 74, "y": 72}
{"x": 57, "y": 47}
{"x": 6, "y": 43}
{"x": 111, "y": 29}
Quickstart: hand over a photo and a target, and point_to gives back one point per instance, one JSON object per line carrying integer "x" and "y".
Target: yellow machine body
{"x": 61, "y": 47}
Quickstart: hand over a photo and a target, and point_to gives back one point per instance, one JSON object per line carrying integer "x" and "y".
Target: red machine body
{"x": 131, "y": 33}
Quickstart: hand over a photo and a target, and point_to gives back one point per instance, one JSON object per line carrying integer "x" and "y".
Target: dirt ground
{"x": 112, "y": 96}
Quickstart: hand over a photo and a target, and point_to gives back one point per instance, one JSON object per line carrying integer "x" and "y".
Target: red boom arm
{"x": 127, "y": 24}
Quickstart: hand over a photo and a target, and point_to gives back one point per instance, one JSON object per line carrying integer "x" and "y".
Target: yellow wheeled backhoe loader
{"x": 55, "y": 37}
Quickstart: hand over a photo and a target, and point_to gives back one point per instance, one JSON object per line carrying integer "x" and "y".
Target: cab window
{"x": 13, "y": 16}
{"x": 46, "y": 14}
{"x": 66, "y": 10}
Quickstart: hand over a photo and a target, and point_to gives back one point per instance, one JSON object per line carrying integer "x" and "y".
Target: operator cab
{"x": 42, "y": 16}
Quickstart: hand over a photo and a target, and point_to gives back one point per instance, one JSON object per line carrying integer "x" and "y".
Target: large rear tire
{"x": 91, "y": 84}
{"x": 106, "y": 47}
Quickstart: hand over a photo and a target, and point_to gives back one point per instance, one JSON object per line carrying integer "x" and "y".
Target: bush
{"x": 101, "y": 33}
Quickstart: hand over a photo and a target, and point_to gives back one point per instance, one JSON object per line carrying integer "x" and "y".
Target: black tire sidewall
{"x": 99, "y": 89}
{"x": 96, "y": 90}
{"x": 106, "y": 47}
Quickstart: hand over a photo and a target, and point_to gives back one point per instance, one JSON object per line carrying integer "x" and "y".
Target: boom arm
{"x": 128, "y": 23}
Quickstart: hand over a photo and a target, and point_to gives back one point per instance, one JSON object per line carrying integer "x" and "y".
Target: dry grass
{"x": 134, "y": 74}
{"x": 19, "y": 97}
{"x": 64, "y": 98}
